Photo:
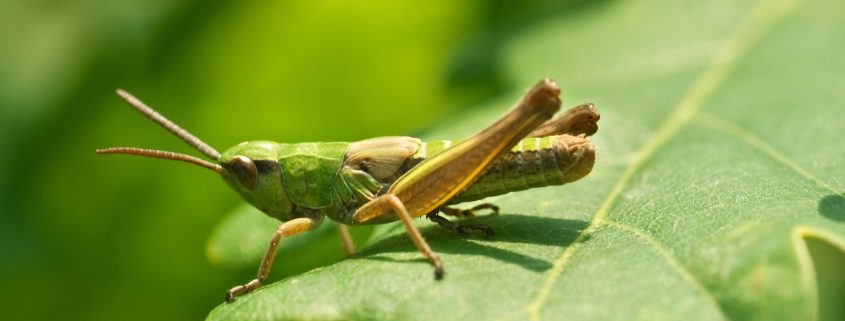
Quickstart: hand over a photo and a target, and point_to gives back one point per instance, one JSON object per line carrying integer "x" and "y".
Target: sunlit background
{"x": 122, "y": 238}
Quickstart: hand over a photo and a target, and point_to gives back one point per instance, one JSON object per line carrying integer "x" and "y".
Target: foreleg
{"x": 289, "y": 228}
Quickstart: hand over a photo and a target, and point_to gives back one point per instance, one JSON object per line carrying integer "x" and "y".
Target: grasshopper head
{"x": 252, "y": 170}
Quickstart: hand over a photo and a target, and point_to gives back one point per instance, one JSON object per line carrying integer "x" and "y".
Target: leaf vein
{"x": 673, "y": 262}
{"x": 757, "y": 143}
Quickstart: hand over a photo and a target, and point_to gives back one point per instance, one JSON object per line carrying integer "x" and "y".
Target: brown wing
{"x": 381, "y": 157}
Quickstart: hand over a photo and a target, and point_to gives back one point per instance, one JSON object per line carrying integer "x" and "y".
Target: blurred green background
{"x": 103, "y": 238}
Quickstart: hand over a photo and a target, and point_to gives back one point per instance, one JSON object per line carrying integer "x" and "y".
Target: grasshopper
{"x": 386, "y": 179}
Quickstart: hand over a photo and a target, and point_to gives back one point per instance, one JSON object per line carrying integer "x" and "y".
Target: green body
{"x": 295, "y": 180}
{"x": 315, "y": 180}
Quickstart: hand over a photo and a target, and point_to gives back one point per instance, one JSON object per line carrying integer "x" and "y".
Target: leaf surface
{"x": 719, "y": 156}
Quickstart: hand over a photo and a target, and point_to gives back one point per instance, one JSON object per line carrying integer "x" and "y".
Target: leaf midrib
{"x": 762, "y": 19}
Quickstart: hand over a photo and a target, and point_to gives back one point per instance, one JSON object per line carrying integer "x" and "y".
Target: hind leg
{"x": 390, "y": 203}
{"x": 578, "y": 120}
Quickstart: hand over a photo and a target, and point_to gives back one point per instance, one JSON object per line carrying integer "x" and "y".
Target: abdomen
{"x": 533, "y": 162}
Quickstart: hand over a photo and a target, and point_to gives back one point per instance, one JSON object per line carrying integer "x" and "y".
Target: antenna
{"x": 173, "y": 128}
{"x": 154, "y": 153}
{"x": 170, "y": 126}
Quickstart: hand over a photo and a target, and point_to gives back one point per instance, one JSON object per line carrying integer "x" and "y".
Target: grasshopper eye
{"x": 245, "y": 170}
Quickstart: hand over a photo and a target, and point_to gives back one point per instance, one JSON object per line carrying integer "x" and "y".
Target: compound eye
{"x": 245, "y": 170}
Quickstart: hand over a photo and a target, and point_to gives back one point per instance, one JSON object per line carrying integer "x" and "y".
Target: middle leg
{"x": 469, "y": 213}
{"x": 346, "y": 239}
{"x": 463, "y": 229}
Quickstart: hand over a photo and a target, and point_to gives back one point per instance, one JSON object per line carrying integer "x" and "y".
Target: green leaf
{"x": 719, "y": 161}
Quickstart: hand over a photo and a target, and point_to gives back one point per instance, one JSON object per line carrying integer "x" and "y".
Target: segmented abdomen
{"x": 533, "y": 162}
